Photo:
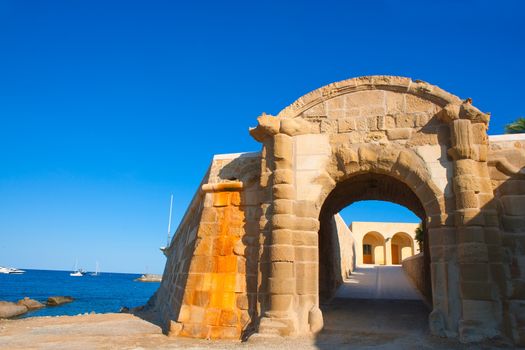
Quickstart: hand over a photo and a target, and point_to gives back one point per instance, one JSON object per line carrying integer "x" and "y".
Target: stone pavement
{"x": 378, "y": 282}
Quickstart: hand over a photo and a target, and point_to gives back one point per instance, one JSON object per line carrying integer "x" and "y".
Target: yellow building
{"x": 383, "y": 243}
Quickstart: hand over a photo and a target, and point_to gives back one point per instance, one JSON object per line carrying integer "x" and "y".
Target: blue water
{"x": 107, "y": 292}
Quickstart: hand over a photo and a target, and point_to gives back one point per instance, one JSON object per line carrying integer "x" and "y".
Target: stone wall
{"x": 414, "y": 267}
{"x": 346, "y": 246}
{"x": 209, "y": 287}
{"x": 507, "y": 164}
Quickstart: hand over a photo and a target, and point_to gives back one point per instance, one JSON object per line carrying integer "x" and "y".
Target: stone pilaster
{"x": 475, "y": 219}
{"x": 278, "y": 317}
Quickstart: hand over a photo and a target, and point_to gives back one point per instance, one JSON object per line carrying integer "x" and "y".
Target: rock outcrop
{"x": 9, "y": 309}
{"x": 149, "y": 277}
{"x": 31, "y": 304}
{"x": 59, "y": 300}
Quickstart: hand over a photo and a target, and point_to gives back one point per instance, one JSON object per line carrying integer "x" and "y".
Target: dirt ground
{"x": 349, "y": 324}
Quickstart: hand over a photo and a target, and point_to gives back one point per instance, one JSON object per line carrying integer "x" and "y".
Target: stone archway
{"x": 373, "y": 248}
{"x": 402, "y": 247}
{"x": 411, "y": 131}
{"x": 371, "y": 185}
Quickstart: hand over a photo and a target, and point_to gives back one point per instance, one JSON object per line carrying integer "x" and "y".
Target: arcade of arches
{"x": 256, "y": 249}
{"x": 383, "y": 243}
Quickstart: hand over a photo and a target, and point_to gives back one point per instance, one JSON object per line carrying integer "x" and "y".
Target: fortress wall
{"x": 209, "y": 287}
{"x": 507, "y": 173}
{"x": 414, "y": 267}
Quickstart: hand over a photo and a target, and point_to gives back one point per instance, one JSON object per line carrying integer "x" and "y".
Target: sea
{"x": 107, "y": 292}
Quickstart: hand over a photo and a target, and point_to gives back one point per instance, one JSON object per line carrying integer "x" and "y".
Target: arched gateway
{"x": 256, "y": 250}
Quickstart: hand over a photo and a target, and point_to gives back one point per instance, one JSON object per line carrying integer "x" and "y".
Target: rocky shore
{"x": 10, "y": 309}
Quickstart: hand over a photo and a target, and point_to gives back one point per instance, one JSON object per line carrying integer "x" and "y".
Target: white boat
{"x": 11, "y": 271}
{"x": 96, "y": 273}
{"x": 78, "y": 272}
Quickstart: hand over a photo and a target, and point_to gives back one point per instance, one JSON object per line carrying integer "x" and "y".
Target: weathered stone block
{"x": 316, "y": 111}
{"x": 281, "y": 252}
{"x": 372, "y": 123}
{"x": 399, "y": 134}
{"x": 329, "y": 126}
{"x": 307, "y": 238}
{"x": 306, "y": 254}
{"x": 204, "y": 246}
{"x": 514, "y": 205}
{"x": 312, "y": 144}
{"x": 284, "y": 191}
{"x": 471, "y": 234}
{"x": 372, "y": 111}
{"x": 283, "y": 206}
{"x": 417, "y": 104}
{"x": 282, "y": 269}
{"x": 305, "y": 209}
{"x": 473, "y": 252}
{"x": 201, "y": 264}
{"x": 283, "y": 176}
{"x": 346, "y": 124}
{"x": 209, "y": 215}
{"x": 390, "y": 122}
{"x": 221, "y": 199}
{"x": 361, "y": 124}
{"x": 481, "y": 310}
{"x": 476, "y": 290}
{"x": 305, "y": 286}
{"x": 442, "y": 236}
{"x": 395, "y": 102}
{"x": 282, "y": 236}
{"x": 296, "y": 126}
{"x": 281, "y": 302}
{"x": 226, "y": 264}
{"x": 513, "y": 223}
{"x": 469, "y": 217}
{"x": 404, "y": 121}
{"x": 492, "y": 235}
{"x": 281, "y": 285}
{"x": 335, "y": 103}
{"x": 364, "y": 98}
{"x": 476, "y": 272}
{"x": 223, "y": 245}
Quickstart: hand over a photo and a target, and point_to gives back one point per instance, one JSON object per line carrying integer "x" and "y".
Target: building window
{"x": 367, "y": 249}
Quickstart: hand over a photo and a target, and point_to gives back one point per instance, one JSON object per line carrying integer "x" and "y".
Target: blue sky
{"x": 107, "y": 107}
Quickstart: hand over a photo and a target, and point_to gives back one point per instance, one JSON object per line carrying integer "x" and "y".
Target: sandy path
{"x": 349, "y": 324}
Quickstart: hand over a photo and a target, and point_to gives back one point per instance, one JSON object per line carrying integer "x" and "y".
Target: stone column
{"x": 388, "y": 251}
{"x": 476, "y": 220}
{"x": 278, "y": 317}
{"x": 293, "y": 246}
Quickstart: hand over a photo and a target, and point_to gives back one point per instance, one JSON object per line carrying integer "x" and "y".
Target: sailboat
{"x": 96, "y": 273}
{"x": 163, "y": 249}
{"x": 78, "y": 272}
